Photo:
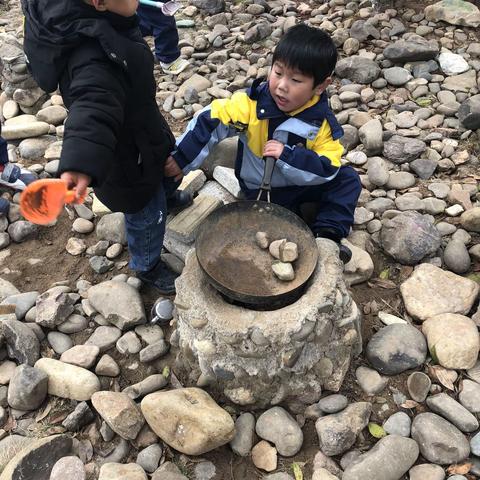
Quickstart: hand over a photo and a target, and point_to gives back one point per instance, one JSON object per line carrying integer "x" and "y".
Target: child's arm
{"x": 97, "y": 98}
{"x": 223, "y": 118}
{"x": 317, "y": 163}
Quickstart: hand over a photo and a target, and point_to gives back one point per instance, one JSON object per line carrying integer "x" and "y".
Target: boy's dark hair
{"x": 309, "y": 50}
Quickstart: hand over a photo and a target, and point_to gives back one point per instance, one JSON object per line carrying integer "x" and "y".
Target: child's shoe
{"x": 10, "y": 172}
{"x": 4, "y": 206}
{"x": 344, "y": 253}
{"x": 179, "y": 201}
{"x": 160, "y": 277}
{"x": 175, "y": 67}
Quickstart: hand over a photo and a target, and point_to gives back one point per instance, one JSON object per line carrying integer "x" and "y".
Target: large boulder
{"x": 414, "y": 49}
{"x": 358, "y": 69}
{"x": 469, "y": 113}
{"x": 188, "y": 420}
{"x": 455, "y": 12}
{"x": 410, "y": 237}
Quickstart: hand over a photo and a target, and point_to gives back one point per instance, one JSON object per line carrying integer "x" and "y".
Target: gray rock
{"x": 469, "y": 113}
{"x": 81, "y": 355}
{"x": 377, "y": 171}
{"x": 455, "y": 12}
{"x": 73, "y": 324}
{"x": 111, "y": 227}
{"x": 168, "y": 471}
{"x": 70, "y": 468}
{"x": 149, "y": 457}
{"x": 150, "y": 333}
{"x": 104, "y": 337}
{"x": 28, "y": 388}
{"x": 107, "y": 367}
{"x": 129, "y": 344}
{"x": 333, "y": 403}
{"x": 439, "y": 441}
{"x": 358, "y": 69}
{"x": 456, "y": 257}
{"x": 418, "y": 386}
{"x": 120, "y": 303}
{"x": 414, "y": 49}
{"x": 22, "y": 343}
{"x": 100, "y": 264}
{"x": 389, "y": 459}
{"x": 397, "y": 76}
{"x": 403, "y": 149}
{"x": 154, "y": 351}
{"x": 400, "y": 181}
{"x": 450, "y": 409}
{"x": 370, "y": 381}
{"x": 426, "y": 471}
{"x": 81, "y": 416}
{"x": 204, "y": 470}
{"x": 338, "y": 432}
{"x": 59, "y": 342}
{"x": 371, "y": 135}
{"x": 398, "y": 424}
{"x": 279, "y": 427}
{"x": 53, "y": 307}
{"x": 22, "y": 230}
{"x": 23, "y": 303}
{"x": 469, "y": 396}
{"x": 396, "y": 348}
{"x": 410, "y": 237}
{"x": 210, "y": 7}
{"x": 242, "y": 442}
{"x": 7, "y": 289}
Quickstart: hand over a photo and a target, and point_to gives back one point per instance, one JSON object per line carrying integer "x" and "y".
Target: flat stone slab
{"x": 193, "y": 181}
{"x": 184, "y": 226}
{"x": 226, "y": 178}
{"x": 430, "y": 291}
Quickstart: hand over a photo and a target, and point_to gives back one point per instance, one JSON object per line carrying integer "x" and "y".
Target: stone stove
{"x": 262, "y": 358}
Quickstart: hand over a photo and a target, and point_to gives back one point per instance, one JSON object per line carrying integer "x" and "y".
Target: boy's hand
{"x": 273, "y": 148}
{"x": 172, "y": 169}
{"x": 77, "y": 181}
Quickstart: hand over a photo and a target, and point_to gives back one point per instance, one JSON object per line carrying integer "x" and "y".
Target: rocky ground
{"x": 86, "y": 387}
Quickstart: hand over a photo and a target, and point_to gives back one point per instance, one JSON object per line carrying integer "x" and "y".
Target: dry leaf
{"x": 45, "y": 412}
{"x": 444, "y": 376}
{"x": 410, "y": 404}
{"x": 59, "y": 417}
{"x": 10, "y": 424}
{"x": 460, "y": 469}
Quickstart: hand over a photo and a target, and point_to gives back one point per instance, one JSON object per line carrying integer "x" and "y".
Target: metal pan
{"x": 238, "y": 268}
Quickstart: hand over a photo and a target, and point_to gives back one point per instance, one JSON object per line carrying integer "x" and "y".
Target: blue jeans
{"x": 164, "y": 30}
{"x": 146, "y": 228}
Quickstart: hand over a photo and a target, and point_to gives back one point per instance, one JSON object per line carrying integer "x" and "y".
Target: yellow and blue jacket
{"x": 310, "y": 134}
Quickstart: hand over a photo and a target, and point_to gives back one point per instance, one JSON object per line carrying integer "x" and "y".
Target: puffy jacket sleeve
{"x": 96, "y": 93}
{"x": 221, "y": 119}
{"x": 314, "y": 164}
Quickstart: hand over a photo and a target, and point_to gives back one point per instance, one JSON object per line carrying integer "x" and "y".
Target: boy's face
{"x": 125, "y": 8}
{"x": 292, "y": 89}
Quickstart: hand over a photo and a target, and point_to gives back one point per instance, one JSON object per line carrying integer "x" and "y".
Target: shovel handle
{"x": 71, "y": 197}
{"x": 267, "y": 177}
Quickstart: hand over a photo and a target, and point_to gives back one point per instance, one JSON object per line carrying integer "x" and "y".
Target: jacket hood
{"x": 54, "y": 27}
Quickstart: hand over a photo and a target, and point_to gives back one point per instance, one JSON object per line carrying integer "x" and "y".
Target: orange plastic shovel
{"x": 42, "y": 201}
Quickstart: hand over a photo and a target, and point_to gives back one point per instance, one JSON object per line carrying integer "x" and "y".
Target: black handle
{"x": 267, "y": 174}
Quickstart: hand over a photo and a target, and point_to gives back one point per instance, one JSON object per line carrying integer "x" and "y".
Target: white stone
{"x": 226, "y": 178}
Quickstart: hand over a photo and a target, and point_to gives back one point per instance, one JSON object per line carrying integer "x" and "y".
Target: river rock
{"x": 120, "y": 413}
{"x": 455, "y": 12}
{"x": 205, "y": 425}
{"x": 426, "y": 471}
{"x": 456, "y": 256}
{"x": 396, "y": 348}
{"x": 338, "y": 432}
{"x": 278, "y": 427}
{"x": 430, "y": 291}
{"x": 68, "y": 468}
{"x": 414, "y": 49}
{"x": 403, "y": 149}
{"x": 22, "y": 343}
{"x": 451, "y": 410}
{"x": 389, "y": 459}
{"x": 469, "y": 396}
{"x": 398, "y": 424}
{"x": 409, "y": 237}
{"x": 358, "y": 69}
{"x": 124, "y": 471}
{"x": 68, "y": 381}
{"x": 439, "y": 441}
{"x": 111, "y": 227}
{"x": 28, "y": 388}
{"x": 118, "y": 302}
{"x": 469, "y": 112}
{"x": 242, "y": 442}
{"x": 453, "y": 340}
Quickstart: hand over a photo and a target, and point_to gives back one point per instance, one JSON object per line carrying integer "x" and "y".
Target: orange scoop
{"x": 42, "y": 201}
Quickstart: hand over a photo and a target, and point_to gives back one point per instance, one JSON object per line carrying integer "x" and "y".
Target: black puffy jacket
{"x": 114, "y": 131}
